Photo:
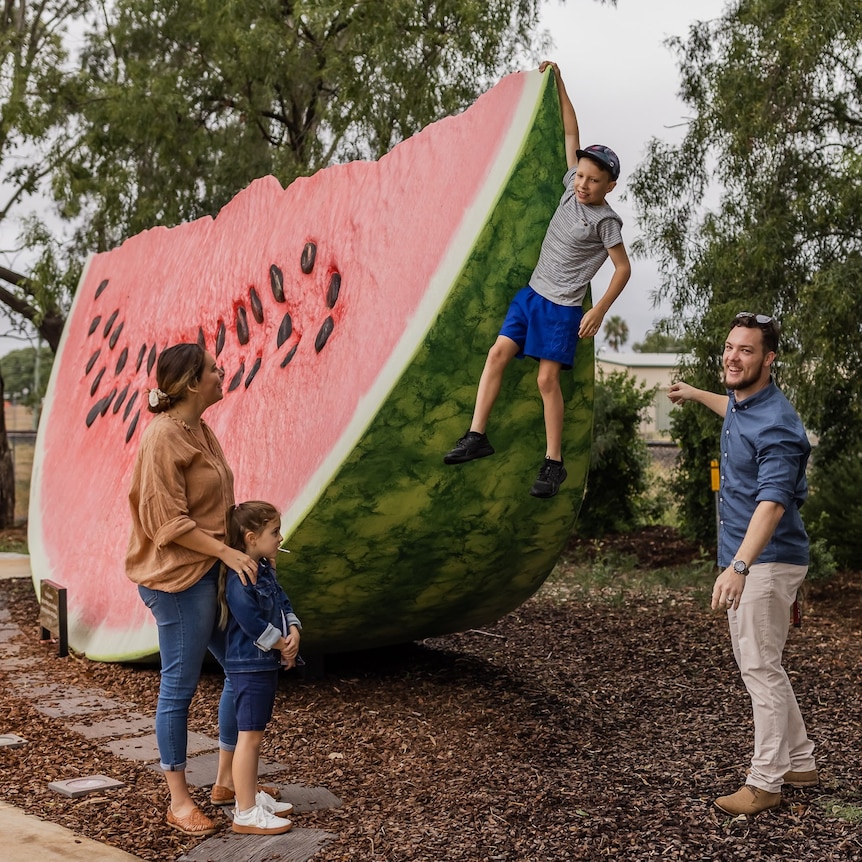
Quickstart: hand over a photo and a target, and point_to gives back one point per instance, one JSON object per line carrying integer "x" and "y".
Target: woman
{"x": 182, "y": 488}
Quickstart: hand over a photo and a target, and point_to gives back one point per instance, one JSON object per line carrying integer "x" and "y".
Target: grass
{"x": 615, "y": 578}
{"x": 842, "y": 810}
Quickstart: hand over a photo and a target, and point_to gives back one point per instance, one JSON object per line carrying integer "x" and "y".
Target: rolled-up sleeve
{"x": 781, "y": 463}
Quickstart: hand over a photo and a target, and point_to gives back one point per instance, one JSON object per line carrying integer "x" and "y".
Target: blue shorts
{"x": 254, "y": 696}
{"x": 541, "y": 328}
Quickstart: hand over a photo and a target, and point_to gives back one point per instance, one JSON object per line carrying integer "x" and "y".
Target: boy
{"x": 546, "y": 317}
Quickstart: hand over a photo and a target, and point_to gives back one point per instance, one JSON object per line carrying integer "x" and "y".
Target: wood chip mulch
{"x": 576, "y": 728}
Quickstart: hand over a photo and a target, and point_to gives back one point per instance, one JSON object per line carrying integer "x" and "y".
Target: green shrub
{"x": 833, "y": 513}
{"x": 616, "y": 498}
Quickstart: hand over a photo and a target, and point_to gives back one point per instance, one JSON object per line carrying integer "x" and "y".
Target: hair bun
{"x": 158, "y": 400}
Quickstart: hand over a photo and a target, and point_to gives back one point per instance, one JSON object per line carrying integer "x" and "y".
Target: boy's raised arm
{"x": 570, "y": 118}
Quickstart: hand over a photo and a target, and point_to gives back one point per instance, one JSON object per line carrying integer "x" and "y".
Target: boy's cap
{"x": 605, "y": 156}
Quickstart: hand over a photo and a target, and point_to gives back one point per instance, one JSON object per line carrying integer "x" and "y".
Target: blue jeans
{"x": 187, "y": 624}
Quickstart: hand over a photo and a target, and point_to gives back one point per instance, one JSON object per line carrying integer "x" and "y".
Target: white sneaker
{"x": 272, "y": 805}
{"x": 259, "y": 821}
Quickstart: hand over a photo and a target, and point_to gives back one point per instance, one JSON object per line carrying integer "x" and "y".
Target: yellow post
{"x": 716, "y": 484}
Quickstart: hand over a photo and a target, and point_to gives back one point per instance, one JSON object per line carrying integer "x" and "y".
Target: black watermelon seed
{"x": 132, "y": 427}
{"x": 121, "y": 398}
{"x": 309, "y": 253}
{"x": 323, "y": 335}
{"x": 112, "y": 341}
{"x": 106, "y": 401}
{"x": 141, "y": 353}
{"x": 121, "y": 361}
{"x": 237, "y": 378}
{"x": 110, "y": 323}
{"x": 333, "y": 289}
{"x": 202, "y": 342}
{"x": 276, "y": 282}
{"x": 92, "y": 360}
{"x": 151, "y": 359}
{"x": 96, "y": 381}
{"x": 289, "y": 356}
{"x": 256, "y": 305}
{"x": 95, "y": 410}
{"x": 101, "y": 288}
{"x": 242, "y": 325}
{"x": 285, "y": 330}
{"x": 220, "y": 338}
{"x": 130, "y": 405}
{"x": 254, "y": 369}
{"x": 94, "y": 324}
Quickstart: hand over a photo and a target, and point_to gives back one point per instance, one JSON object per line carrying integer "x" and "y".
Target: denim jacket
{"x": 260, "y": 614}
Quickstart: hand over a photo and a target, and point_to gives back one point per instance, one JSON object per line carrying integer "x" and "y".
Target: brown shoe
{"x": 225, "y": 796}
{"x": 196, "y": 823}
{"x": 802, "y": 779}
{"x": 748, "y": 800}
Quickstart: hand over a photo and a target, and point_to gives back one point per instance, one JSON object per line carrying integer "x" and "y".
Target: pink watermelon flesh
{"x": 312, "y": 298}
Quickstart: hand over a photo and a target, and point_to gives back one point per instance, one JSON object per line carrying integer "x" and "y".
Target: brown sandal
{"x": 220, "y": 795}
{"x": 196, "y": 823}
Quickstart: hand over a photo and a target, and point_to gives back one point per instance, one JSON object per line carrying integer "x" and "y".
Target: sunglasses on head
{"x": 748, "y": 318}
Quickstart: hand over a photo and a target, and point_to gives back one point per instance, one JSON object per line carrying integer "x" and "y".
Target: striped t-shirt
{"x": 575, "y": 246}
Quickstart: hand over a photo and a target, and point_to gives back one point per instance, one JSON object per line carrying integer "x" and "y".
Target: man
{"x": 762, "y": 550}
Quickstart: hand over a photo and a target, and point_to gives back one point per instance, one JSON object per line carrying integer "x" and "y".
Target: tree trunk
{"x": 7, "y": 469}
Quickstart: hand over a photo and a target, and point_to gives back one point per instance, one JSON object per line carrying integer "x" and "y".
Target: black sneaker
{"x": 472, "y": 445}
{"x": 551, "y": 476}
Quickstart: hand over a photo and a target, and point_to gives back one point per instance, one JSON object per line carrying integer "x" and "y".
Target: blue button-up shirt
{"x": 764, "y": 450}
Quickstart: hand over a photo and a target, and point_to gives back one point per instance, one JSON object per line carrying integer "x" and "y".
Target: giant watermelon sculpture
{"x": 351, "y": 312}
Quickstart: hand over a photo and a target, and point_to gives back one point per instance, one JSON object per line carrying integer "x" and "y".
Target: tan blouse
{"x": 179, "y": 483}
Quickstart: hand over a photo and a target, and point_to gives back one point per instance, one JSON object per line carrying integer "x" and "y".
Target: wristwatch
{"x": 739, "y": 567}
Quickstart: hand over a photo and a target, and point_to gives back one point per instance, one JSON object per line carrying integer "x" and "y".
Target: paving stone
{"x": 298, "y": 845}
{"x": 28, "y": 679}
{"x": 127, "y": 725}
{"x": 306, "y": 799}
{"x": 8, "y": 632}
{"x": 75, "y": 787}
{"x": 146, "y": 747}
{"x": 11, "y": 740}
{"x": 50, "y": 691}
{"x": 10, "y": 660}
{"x": 77, "y": 706}
{"x": 201, "y": 771}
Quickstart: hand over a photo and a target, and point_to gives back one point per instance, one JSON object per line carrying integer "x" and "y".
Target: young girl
{"x": 262, "y": 636}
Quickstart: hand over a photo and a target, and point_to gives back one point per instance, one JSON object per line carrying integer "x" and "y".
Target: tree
{"x": 192, "y": 100}
{"x": 36, "y": 94}
{"x": 26, "y": 374}
{"x": 775, "y": 88}
{"x": 658, "y": 341}
{"x": 616, "y": 332}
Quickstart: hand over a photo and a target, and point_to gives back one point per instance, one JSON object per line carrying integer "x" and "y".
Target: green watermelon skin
{"x": 345, "y": 437}
{"x": 451, "y": 547}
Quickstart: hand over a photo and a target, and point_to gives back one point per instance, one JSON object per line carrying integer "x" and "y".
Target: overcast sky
{"x": 623, "y": 83}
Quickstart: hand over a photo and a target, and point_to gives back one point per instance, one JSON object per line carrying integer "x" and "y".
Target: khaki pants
{"x": 758, "y": 631}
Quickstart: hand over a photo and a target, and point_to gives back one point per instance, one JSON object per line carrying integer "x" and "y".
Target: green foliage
{"x": 616, "y": 332}
{"x": 833, "y": 513}
{"x": 659, "y": 341}
{"x": 37, "y": 136}
{"x": 619, "y": 463}
{"x": 24, "y": 379}
{"x": 190, "y": 101}
{"x": 761, "y": 204}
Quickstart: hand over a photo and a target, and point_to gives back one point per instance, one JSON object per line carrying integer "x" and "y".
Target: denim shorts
{"x": 254, "y": 696}
{"x": 541, "y": 328}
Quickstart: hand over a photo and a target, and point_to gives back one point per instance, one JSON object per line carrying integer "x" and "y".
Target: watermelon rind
{"x": 388, "y": 543}
{"x": 451, "y": 547}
